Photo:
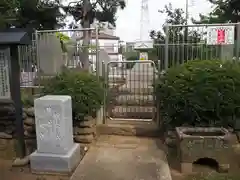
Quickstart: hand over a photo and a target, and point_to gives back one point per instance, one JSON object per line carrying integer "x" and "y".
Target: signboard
{"x": 217, "y": 35}
{"x": 143, "y": 56}
{"x": 4, "y": 74}
{"x": 27, "y": 79}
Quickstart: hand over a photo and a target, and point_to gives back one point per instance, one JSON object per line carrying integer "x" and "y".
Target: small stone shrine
{"x": 56, "y": 152}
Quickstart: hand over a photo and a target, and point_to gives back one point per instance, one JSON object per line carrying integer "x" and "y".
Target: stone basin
{"x": 200, "y": 143}
{"x": 184, "y": 132}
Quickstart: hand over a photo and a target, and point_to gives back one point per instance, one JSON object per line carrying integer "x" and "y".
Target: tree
{"x": 8, "y": 12}
{"x": 47, "y": 14}
{"x": 86, "y": 11}
{"x": 180, "y": 39}
{"x": 225, "y": 11}
{"x": 36, "y": 14}
{"x": 174, "y": 17}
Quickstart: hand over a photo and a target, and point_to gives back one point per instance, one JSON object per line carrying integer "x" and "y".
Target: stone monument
{"x": 135, "y": 97}
{"x": 103, "y": 57}
{"x": 50, "y": 54}
{"x": 56, "y": 152}
{"x": 141, "y": 76}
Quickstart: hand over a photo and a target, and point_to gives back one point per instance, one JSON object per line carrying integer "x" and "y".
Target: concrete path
{"x": 124, "y": 158}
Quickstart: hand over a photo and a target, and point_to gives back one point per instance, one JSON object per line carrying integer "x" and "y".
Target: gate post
{"x": 166, "y": 48}
{"x": 155, "y": 94}
{"x": 238, "y": 42}
{"x": 105, "y": 77}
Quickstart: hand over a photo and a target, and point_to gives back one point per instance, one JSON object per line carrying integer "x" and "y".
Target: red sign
{"x": 220, "y": 36}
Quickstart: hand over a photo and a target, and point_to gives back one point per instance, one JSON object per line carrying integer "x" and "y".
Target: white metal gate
{"x": 129, "y": 94}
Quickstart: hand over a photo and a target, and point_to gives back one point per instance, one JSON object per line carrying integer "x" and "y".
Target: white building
{"x": 106, "y": 40}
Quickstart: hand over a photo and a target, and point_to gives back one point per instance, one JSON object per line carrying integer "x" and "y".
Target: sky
{"x": 128, "y": 20}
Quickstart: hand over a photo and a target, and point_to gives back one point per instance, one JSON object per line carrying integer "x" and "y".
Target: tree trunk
{"x": 86, "y": 37}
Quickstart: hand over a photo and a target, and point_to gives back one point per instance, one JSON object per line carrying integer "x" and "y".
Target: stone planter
{"x": 196, "y": 143}
{"x": 236, "y": 149}
{"x": 85, "y": 131}
{"x": 7, "y": 139}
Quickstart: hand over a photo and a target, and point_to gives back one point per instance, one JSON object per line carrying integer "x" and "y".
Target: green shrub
{"x": 130, "y": 65}
{"x": 27, "y": 99}
{"x": 200, "y": 93}
{"x": 84, "y": 88}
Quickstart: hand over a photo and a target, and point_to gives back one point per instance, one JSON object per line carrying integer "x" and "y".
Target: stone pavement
{"x": 124, "y": 158}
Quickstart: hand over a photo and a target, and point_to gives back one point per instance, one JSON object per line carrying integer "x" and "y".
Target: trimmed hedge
{"x": 200, "y": 93}
{"x": 86, "y": 90}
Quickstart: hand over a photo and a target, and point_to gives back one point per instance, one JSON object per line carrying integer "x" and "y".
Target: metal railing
{"x": 129, "y": 93}
{"x": 47, "y": 54}
{"x": 183, "y": 43}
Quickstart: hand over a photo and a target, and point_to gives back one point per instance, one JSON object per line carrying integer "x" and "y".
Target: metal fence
{"x": 129, "y": 94}
{"x": 48, "y": 53}
{"x": 183, "y": 43}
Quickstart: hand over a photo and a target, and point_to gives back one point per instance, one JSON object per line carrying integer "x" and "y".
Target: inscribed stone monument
{"x": 50, "y": 54}
{"x": 56, "y": 151}
{"x": 140, "y": 76}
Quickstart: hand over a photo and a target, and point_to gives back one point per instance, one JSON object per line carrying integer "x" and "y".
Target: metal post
{"x": 105, "y": 89}
{"x": 37, "y": 59}
{"x": 166, "y": 48}
{"x": 16, "y": 97}
{"x": 187, "y": 12}
{"x": 186, "y": 35}
{"x": 106, "y": 85}
{"x": 97, "y": 54}
{"x": 238, "y": 42}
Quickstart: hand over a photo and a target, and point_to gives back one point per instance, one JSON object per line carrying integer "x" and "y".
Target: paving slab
{"x": 124, "y": 158}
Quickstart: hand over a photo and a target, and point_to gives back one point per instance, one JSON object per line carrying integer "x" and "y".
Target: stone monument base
{"x": 55, "y": 163}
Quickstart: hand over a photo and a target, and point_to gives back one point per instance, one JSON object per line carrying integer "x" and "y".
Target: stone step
{"x": 132, "y": 112}
{"x": 148, "y": 90}
{"x": 129, "y": 128}
{"x": 111, "y": 85}
{"x": 137, "y": 100}
{"x": 116, "y": 79}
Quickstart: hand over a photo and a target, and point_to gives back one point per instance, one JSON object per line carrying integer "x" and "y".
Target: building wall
{"x": 109, "y": 45}
{"x": 130, "y": 47}
{"x": 114, "y": 57}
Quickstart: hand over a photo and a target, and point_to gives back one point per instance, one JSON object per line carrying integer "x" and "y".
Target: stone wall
{"x": 84, "y": 131}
